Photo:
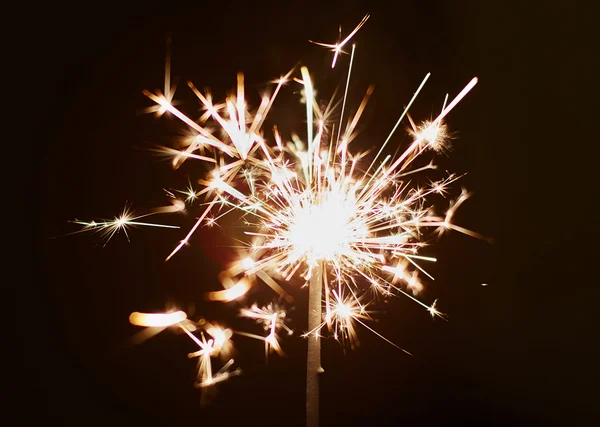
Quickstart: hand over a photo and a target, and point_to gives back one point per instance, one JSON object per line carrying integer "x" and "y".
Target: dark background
{"x": 521, "y": 351}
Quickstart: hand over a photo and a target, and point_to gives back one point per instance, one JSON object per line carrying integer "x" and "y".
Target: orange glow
{"x": 157, "y": 319}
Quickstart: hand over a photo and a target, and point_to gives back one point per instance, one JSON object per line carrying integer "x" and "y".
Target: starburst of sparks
{"x": 109, "y": 228}
{"x": 306, "y": 203}
{"x": 272, "y": 319}
{"x": 218, "y": 345}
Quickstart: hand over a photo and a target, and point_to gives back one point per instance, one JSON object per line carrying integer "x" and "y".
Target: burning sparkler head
{"x": 322, "y": 229}
{"x": 343, "y": 310}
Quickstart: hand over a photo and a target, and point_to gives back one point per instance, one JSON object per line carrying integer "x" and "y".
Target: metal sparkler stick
{"x": 313, "y": 359}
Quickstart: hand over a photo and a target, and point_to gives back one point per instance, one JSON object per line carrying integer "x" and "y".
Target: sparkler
{"x": 312, "y": 210}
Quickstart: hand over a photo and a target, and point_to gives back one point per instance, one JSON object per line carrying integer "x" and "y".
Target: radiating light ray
{"x": 382, "y": 337}
{"x": 345, "y": 94}
{"x": 337, "y": 47}
{"x": 179, "y": 155}
{"x": 198, "y": 222}
{"x": 108, "y": 228}
{"x": 414, "y": 97}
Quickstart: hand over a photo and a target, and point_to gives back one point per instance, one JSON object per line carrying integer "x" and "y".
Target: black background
{"x": 522, "y": 350}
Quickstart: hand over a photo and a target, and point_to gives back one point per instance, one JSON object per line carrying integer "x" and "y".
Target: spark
{"x": 108, "y": 228}
{"x": 435, "y": 312}
{"x": 272, "y": 319}
{"x": 341, "y": 316}
{"x": 433, "y": 135}
{"x": 208, "y": 348}
{"x": 336, "y": 48}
